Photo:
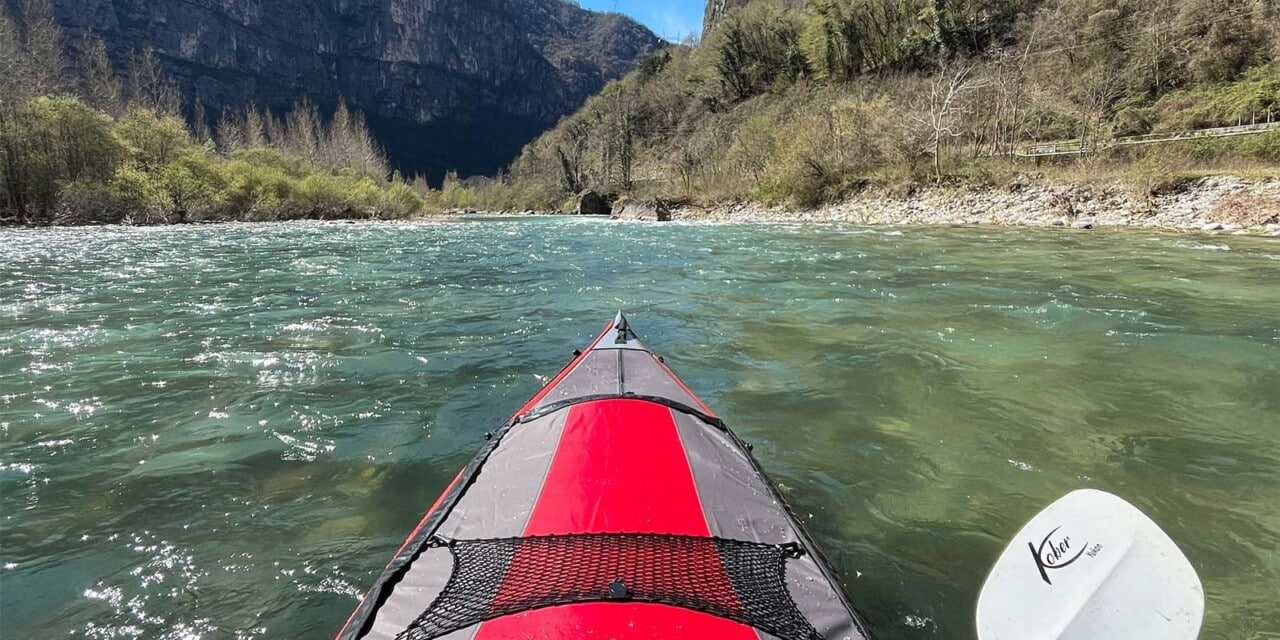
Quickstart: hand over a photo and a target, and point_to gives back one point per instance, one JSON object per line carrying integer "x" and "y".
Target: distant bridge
{"x": 1076, "y": 147}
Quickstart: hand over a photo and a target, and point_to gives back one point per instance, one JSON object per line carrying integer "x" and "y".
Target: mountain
{"x": 446, "y": 84}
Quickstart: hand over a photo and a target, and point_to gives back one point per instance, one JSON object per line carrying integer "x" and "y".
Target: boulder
{"x": 651, "y": 210}
{"x": 591, "y": 203}
{"x": 1083, "y": 223}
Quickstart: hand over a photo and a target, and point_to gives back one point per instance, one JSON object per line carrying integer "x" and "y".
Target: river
{"x": 225, "y": 431}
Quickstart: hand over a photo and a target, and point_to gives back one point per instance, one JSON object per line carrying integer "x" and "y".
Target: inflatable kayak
{"x": 613, "y": 505}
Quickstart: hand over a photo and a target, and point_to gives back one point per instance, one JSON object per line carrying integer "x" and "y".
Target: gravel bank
{"x": 1219, "y": 204}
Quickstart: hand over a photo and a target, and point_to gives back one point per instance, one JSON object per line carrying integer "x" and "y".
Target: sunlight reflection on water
{"x": 226, "y": 431}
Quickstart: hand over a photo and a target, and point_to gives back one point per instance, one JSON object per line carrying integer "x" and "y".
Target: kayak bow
{"x": 614, "y": 504}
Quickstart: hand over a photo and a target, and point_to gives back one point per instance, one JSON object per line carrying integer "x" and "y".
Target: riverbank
{"x": 1220, "y": 204}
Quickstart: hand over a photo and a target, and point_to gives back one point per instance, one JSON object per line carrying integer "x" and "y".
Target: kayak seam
{"x": 806, "y": 539}
{"x": 549, "y": 409}
{"x": 385, "y": 585}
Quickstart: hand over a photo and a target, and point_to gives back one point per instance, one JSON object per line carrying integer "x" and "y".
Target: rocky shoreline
{"x": 1218, "y": 204}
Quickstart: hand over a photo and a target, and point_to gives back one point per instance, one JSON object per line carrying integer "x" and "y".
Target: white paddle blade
{"x": 1091, "y": 567}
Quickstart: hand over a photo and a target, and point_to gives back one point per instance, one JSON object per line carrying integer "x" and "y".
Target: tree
{"x": 150, "y": 88}
{"x": 833, "y": 42}
{"x": 47, "y": 143}
{"x": 373, "y": 158}
{"x": 200, "y": 130}
{"x": 254, "y": 127}
{"x": 151, "y": 139}
{"x": 99, "y": 84}
{"x": 652, "y": 65}
{"x": 230, "y": 133}
{"x": 31, "y": 62}
{"x": 11, "y": 64}
{"x": 939, "y": 111}
{"x": 302, "y": 131}
{"x": 756, "y": 47}
{"x": 42, "y": 40}
{"x": 348, "y": 144}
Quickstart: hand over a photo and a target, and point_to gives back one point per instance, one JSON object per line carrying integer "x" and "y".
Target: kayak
{"x": 613, "y": 504}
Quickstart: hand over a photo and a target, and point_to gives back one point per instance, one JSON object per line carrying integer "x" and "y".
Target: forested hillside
{"x": 803, "y": 102}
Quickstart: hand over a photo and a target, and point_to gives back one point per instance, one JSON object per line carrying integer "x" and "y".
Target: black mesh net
{"x": 740, "y": 581}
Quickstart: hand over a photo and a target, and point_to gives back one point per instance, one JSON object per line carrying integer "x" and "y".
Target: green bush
{"x": 256, "y": 191}
{"x": 150, "y": 139}
{"x": 399, "y": 200}
{"x": 142, "y": 193}
{"x": 48, "y": 143}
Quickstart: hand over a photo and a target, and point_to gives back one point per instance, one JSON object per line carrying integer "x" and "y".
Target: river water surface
{"x": 226, "y": 431}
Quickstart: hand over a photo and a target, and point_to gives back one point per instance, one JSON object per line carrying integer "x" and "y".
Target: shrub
{"x": 399, "y": 200}
{"x": 141, "y": 194}
{"x": 256, "y": 191}
{"x": 151, "y": 139}
{"x": 48, "y": 143}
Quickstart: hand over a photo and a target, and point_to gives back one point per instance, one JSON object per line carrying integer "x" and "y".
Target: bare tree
{"x": 151, "y": 88}
{"x": 1009, "y": 96}
{"x": 43, "y": 43}
{"x": 11, "y": 64}
{"x": 941, "y": 109}
{"x": 100, "y": 86}
{"x": 200, "y": 130}
{"x": 372, "y": 156}
{"x": 571, "y": 154}
{"x": 31, "y": 61}
{"x": 346, "y": 143}
{"x": 254, "y": 127}
{"x": 302, "y": 131}
{"x": 230, "y": 133}
{"x": 340, "y": 148}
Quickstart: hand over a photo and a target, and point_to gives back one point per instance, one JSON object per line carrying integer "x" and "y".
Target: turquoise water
{"x": 225, "y": 431}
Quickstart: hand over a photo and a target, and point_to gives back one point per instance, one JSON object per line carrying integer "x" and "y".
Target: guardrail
{"x": 1076, "y": 147}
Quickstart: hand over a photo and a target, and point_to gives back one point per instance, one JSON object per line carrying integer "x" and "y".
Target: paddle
{"x": 1091, "y": 567}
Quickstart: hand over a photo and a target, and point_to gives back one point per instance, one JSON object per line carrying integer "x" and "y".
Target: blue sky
{"x": 671, "y": 19}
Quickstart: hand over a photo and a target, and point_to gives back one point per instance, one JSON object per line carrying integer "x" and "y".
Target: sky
{"x": 671, "y": 19}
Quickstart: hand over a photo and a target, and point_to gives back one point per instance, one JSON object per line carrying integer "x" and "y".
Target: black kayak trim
{"x": 666, "y": 402}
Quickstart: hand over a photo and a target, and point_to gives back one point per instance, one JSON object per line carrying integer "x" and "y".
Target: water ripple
{"x": 224, "y": 432}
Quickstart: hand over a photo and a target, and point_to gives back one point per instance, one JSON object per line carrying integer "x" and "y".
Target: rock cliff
{"x": 446, "y": 84}
{"x": 715, "y": 11}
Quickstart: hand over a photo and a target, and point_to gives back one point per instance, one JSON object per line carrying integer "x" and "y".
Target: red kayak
{"x": 613, "y": 505}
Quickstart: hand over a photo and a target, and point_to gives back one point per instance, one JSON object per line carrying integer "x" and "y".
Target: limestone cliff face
{"x": 446, "y": 84}
{"x": 715, "y": 11}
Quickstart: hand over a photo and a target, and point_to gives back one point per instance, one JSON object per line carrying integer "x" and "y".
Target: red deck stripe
{"x": 619, "y": 468}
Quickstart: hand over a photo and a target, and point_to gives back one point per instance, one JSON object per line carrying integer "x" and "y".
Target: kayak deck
{"x": 615, "y": 504}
